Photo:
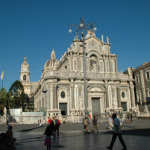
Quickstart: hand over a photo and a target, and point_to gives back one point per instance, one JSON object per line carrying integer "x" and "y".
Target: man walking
{"x": 94, "y": 124}
{"x": 116, "y": 132}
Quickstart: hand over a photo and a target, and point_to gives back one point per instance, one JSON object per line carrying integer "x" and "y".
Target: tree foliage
{"x": 17, "y": 95}
{"x": 3, "y": 96}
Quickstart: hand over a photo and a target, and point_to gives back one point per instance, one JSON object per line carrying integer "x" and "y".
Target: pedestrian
{"x": 131, "y": 117}
{"x": 57, "y": 125}
{"x": 48, "y": 133}
{"x": 128, "y": 117}
{"x": 110, "y": 122}
{"x": 116, "y": 132}
{"x": 86, "y": 125}
{"x": 94, "y": 124}
{"x": 123, "y": 118}
{"x": 9, "y": 136}
{"x": 40, "y": 123}
{"x": 89, "y": 122}
{"x": 49, "y": 120}
{"x": 7, "y": 122}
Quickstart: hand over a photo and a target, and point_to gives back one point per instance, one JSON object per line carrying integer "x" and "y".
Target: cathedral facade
{"x": 60, "y": 90}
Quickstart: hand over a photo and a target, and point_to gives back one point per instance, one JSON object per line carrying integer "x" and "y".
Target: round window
{"x": 66, "y": 67}
{"x": 123, "y": 94}
{"x": 62, "y": 94}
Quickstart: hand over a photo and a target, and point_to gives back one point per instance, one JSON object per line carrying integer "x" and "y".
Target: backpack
{"x": 58, "y": 122}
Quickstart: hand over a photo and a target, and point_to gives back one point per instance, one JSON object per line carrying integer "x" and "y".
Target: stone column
{"x": 132, "y": 95}
{"x": 51, "y": 96}
{"x": 107, "y": 97}
{"x": 109, "y": 62}
{"x": 104, "y": 64}
{"x": 143, "y": 89}
{"x": 116, "y": 67}
{"x": 72, "y": 96}
{"x": 118, "y": 97}
{"x": 55, "y": 102}
{"x": 71, "y": 62}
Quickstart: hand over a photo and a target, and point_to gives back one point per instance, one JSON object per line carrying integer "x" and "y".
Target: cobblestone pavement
{"x": 136, "y": 136}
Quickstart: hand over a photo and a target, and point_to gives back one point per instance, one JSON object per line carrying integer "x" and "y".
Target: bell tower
{"x": 25, "y": 76}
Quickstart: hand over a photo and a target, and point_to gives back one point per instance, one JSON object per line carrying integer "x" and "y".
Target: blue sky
{"x": 32, "y": 28}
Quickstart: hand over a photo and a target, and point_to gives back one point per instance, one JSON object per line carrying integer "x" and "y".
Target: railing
{"x": 89, "y": 75}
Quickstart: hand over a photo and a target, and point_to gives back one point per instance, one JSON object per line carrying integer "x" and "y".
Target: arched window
{"x": 24, "y": 78}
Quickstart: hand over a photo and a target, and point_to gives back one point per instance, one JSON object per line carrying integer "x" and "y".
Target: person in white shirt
{"x": 116, "y": 132}
{"x": 110, "y": 122}
{"x": 120, "y": 120}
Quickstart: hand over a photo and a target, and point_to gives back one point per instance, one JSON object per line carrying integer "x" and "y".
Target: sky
{"x": 32, "y": 28}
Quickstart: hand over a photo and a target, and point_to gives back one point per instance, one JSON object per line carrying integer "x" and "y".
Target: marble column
{"x": 51, "y": 96}
{"x": 143, "y": 90}
{"x": 104, "y": 64}
{"x": 118, "y": 97}
{"x": 71, "y": 62}
{"x": 72, "y": 96}
{"x": 132, "y": 95}
{"x": 109, "y": 62}
{"x": 116, "y": 67}
{"x": 48, "y": 98}
{"x": 55, "y": 102}
{"x": 107, "y": 97}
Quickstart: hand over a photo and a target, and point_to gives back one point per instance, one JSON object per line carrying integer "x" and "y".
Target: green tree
{"x": 3, "y": 96}
{"x": 17, "y": 96}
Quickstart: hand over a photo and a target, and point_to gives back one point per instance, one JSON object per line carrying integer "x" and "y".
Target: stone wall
{"x": 17, "y": 116}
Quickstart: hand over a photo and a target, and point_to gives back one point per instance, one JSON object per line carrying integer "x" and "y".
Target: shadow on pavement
{"x": 136, "y": 132}
{"x": 28, "y": 130}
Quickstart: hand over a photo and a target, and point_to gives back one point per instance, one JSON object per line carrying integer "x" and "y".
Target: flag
{"x": 2, "y": 75}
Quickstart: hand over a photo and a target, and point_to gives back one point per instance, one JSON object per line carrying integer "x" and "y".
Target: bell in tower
{"x": 25, "y": 74}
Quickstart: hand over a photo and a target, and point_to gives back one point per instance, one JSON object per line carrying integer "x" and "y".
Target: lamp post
{"x": 82, "y": 28}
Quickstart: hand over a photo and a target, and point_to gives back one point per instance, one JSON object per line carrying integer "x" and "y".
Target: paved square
{"x": 136, "y": 136}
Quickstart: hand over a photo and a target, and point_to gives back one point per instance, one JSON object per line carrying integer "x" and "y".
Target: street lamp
{"x": 83, "y": 28}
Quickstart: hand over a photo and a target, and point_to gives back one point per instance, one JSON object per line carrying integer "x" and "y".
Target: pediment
{"x": 96, "y": 89}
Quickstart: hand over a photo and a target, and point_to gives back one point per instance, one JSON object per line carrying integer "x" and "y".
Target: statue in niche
{"x": 93, "y": 67}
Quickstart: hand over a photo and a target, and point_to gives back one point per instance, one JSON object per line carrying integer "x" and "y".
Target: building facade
{"x": 60, "y": 90}
{"x": 142, "y": 87}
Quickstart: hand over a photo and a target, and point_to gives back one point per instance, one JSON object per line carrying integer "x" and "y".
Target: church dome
{"x": 52, "y": 62}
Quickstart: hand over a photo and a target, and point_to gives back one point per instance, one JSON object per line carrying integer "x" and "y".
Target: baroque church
{"x": 60, "y": 91}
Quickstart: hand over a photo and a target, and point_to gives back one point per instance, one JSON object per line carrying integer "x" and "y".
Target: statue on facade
{"x": 107, "y": 39}
{"x": 102, "y": 38}
{"x": 93, "y": 68}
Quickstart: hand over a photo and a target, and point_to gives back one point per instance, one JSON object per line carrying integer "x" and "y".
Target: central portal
{"x": 63, "y": 108}
{"x": 96, "y": 107}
